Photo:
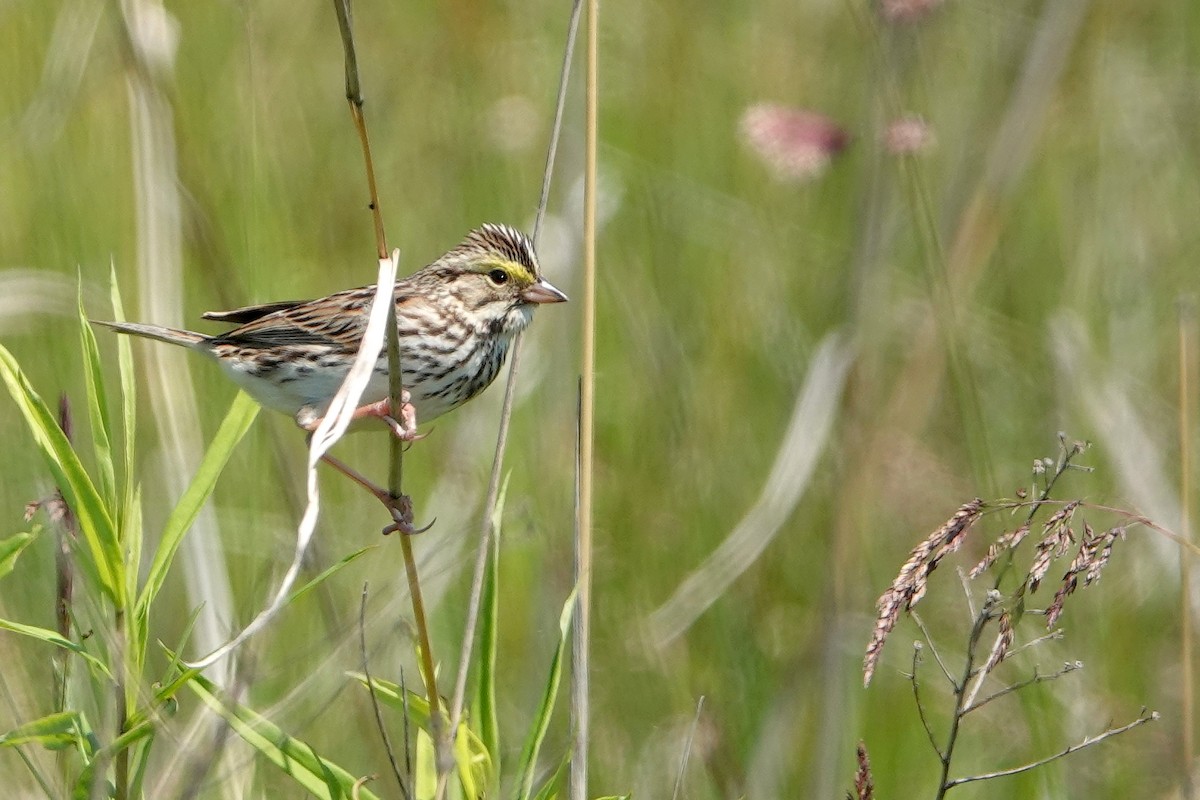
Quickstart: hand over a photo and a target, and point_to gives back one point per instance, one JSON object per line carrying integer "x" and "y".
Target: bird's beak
{"x": 543, "y": 292}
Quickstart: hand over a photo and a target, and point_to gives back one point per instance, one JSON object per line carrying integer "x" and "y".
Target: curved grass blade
{"x": 54, "y": 731}
{"x": 541, "y": 722}
{"x": 233, "y": 428}
{"x": 485, "y": 697}
{"x": 128, "y": 406}
{"x": 320, "y": 777}
{"x": 12, "y": 547}
{"x": 97, "y": 397}
{"x": 328, "y": 573}
{"x": 56, "y": 639}
{"x": 106, "y": 564}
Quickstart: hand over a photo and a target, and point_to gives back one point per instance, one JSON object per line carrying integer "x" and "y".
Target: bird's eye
{"x": 498, "y": 277}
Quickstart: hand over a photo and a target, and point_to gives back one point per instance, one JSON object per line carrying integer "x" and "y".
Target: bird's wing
{"x": 336, "y": 321}
{"x": 240, "y": 316}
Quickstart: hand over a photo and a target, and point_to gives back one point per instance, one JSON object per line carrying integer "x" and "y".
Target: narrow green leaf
{"x": 328, "y": 573}
{"x": 12, "y": 547}
{"x": 489, "y": 613}
{"x": 317, "y": 775}
{"x": 54, "y": 638}
{"x": 233, "y": 428}
{"x": 131, "y": 533}
{"x": 95, "y": 523}
{"x": 541, "y": 722}
{"x": 54, "y": 731}
{"x": 475, "y": 767}
{"x": 97, "y": 397}
{"x": 128, "y": 405}
{"x": 549, "y": 790}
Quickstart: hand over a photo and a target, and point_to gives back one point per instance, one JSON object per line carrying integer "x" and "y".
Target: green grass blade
{"x": 328, "y": 573}
{"x": 476, "y": 770}
{"x": 320, "y": 777}
{"x": 54, "y": 638}
{"x": 54, "y": 731}
{"x": 97, "y": 402}
{"x": 233, "y": 428}
{"x": 12, "y": 547}
{"x": 489, "y": 614}
{"x": 95, "y": 522}
{"x": 549, "y": 790}
{"x": 128, "y": 400}
{"x": 541, "y": 722}
{"x": 131, "y": 530}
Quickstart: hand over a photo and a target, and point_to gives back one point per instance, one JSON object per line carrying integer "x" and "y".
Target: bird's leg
{"x": 405, "y": 428}
{"x": 399, "y": 506}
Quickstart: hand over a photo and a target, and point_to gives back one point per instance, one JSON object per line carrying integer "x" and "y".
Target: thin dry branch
{"x": 1142, "y": 719}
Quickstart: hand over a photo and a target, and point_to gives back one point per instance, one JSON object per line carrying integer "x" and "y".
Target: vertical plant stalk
{"x": 396, "y": 463}
{"x": 580, "y": 711}
{"x": 493, "y": 491}
{"x": 1187, "y": 325}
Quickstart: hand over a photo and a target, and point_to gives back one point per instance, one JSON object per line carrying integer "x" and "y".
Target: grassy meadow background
{"x": 1018, "y": 277}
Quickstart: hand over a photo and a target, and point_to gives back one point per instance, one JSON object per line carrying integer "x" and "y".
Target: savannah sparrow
{"x": 457, "y": 318}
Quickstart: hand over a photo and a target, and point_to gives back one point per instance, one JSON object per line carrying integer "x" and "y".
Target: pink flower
{"x": 795, "y": 144}
{"x": 906, "y": 10}
{"x": 908, "y": 136}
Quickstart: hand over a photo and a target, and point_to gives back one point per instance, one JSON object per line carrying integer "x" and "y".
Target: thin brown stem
{"x": 916, "y": 688}
{"x": 581, "y": 661}
{"x": 366, "y": 665}
{"x": 946, "y": 754}
{"x": 1187, "y": 324}
{"x": 396, "y": 460}
{"x": 936, "y": 655}
{"x": 1142, "y": 719}
{"x": 1036, "y": 678}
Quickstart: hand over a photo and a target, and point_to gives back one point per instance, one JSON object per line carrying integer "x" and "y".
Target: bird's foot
{"x": 404, "y": 428}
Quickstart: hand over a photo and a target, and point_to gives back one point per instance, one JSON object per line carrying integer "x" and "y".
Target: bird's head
{"x": 494, "y": 273}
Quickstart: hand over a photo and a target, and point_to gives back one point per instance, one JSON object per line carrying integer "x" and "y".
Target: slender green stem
{"x": 121, "y": 779}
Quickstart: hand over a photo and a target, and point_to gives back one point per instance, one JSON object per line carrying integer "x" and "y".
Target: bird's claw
{"x": 401, "y": 509}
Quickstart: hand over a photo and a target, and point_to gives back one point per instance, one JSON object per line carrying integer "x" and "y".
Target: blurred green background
{"x": 1019, "y": 275}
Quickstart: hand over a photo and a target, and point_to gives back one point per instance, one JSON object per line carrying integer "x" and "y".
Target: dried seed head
{"x": 1094, "y": 551}
{"x": 1104, "y": 550}
{"x": 1006, "y": 542}
{"x": 864, "y": 783}
{"x": 1003, "y": 644}
{"x": 910, "y": 584}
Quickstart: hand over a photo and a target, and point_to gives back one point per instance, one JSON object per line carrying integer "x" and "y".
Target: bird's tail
{"x": 162, "y": 334}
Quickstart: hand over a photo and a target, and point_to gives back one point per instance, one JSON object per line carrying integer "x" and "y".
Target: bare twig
{"x": 933, "y": 648}
{"x": 1036, "y": 678}
{"x": 916, "y": 663}
{"x": 1142, "y": 719}
{"x": 383, "y": 734}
